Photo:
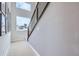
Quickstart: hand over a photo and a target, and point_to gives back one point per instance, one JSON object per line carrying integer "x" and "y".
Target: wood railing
{"x": 38, "y": 12}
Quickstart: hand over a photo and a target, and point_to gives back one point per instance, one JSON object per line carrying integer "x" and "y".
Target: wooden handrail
{"x": 38, "y": 18}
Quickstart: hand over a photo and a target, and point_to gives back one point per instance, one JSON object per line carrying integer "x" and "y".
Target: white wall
{"x": 5, "y": 44}
{"x": 57, "y": 32}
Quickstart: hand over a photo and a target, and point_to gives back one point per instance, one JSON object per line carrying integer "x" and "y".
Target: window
{"x": 22, "y": 23}
{"x": 3, "y": 7}
{"x": 23, "y": 5}
{"x": 3, "y": 24}
{"x": 2, "y": 19}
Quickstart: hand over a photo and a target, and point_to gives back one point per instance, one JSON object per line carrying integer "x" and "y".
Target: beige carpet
{"x": 20, "y": 48}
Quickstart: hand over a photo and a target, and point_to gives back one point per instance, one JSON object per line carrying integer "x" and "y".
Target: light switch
{"x": 38, "y": 28}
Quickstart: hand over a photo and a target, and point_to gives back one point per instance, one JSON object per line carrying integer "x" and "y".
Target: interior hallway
{"x": 20, "y": 48}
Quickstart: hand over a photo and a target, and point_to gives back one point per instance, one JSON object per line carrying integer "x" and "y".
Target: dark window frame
{"x": 4, "y": 14}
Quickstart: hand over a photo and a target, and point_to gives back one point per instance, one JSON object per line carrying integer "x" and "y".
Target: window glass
{"x": 3, "y": 7}
{"x": 3, "y": 24}
{"x": 22, "y": 23}
{"x": 23, "y": 5}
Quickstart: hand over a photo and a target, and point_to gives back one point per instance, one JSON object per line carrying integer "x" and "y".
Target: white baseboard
{"x": 37, "y": 54}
